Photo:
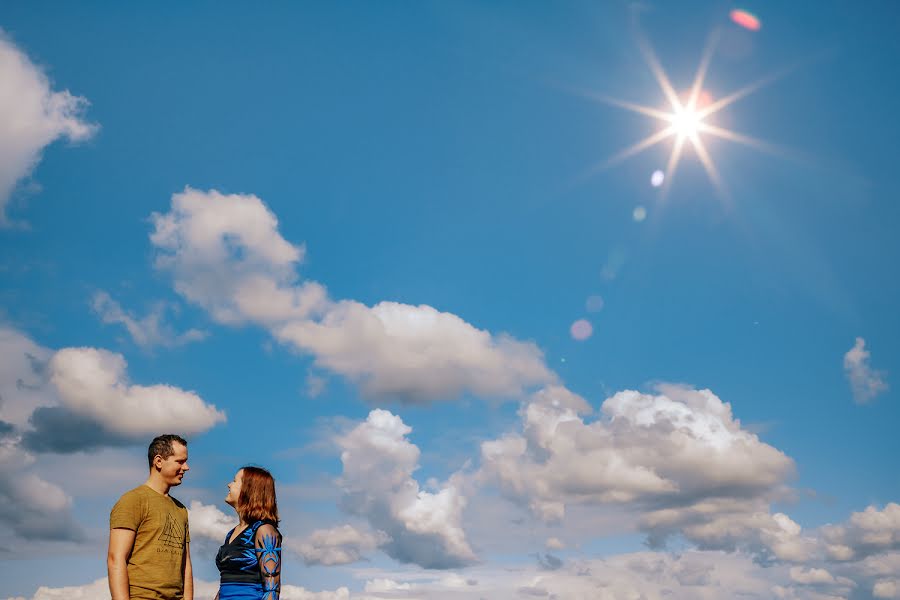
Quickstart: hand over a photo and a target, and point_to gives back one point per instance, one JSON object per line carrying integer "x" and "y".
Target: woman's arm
{"x": 268, "y": 550}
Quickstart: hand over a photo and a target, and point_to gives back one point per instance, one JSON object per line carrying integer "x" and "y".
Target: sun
{"x": 686, "y": 122}
{"x": 685, "y": 119}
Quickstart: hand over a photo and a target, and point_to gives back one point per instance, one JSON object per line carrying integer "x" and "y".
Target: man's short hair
{"x": 162, "y": 446}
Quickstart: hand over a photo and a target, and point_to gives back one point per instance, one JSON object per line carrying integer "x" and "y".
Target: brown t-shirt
{"x": 160, "y": 524}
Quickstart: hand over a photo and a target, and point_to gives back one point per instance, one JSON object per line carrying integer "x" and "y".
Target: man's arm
{"x": 121, "y": 542}
{"x": 188, "y": 574}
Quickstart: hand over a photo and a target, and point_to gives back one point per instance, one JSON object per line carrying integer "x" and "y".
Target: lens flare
{"x": 639, "y": 214}
{"x": 594, "y": 303}
{"x": 745, "y": 19}
{"x": 581, "y": 330}
{"x": 685, "y": 119}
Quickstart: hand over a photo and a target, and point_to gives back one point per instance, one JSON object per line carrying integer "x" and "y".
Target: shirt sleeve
{"x": 126, "y": 514}
{"x": 268, "y": 550}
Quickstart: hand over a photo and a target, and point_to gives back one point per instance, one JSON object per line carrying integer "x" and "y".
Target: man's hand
{"x": 121, "y": 543}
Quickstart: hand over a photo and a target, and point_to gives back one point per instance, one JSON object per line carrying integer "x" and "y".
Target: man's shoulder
{"x": 177, "y": 503}
{"x": 138, "y": 492}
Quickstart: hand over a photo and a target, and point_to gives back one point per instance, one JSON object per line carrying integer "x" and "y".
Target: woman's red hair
{"x": 257, "y": 499}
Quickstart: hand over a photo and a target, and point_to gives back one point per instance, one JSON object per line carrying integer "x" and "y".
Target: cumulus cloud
{"x": 81, "y": 399}
{"x": 641, "y": 575}
{"x": 32, "y": 116}
{"x": 22, "y": 376}
{"x": 382, "y": 585}
{"x": 97, "y": 590}
{"x": 865, "y": 534}
{"x": 337, "y": 546}
{"x": 886, "y": 588}
{"x": 553, "y": 543}
{"x": 865, "y": 382}
{"x": 679, "y": 457}
{"x": 31, "y": 507}
{"x": 203, "y": 590}
{"x": 93, "y": 383}
{"x": 207, "y": 521}
{"x": 147, "y": 332}
{"x": 811, "y": 576}
{"x": 225, "y": 254}
{"x": 377, "y": 482}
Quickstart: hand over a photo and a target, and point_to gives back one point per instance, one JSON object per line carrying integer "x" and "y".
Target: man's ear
{"x": 157, "y": 462}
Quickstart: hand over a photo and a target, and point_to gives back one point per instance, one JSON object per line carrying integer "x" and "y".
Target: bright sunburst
{"x": 685, "y": 119}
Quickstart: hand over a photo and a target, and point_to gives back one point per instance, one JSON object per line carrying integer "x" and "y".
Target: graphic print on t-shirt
{"x": 172, "y": 534}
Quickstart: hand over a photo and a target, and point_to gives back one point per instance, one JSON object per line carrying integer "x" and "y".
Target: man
{"x": 149, "y": 543}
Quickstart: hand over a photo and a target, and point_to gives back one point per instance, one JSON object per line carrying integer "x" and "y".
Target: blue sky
{"x": 349, "y": 242}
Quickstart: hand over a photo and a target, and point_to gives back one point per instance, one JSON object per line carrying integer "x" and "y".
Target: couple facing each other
{"x": 149, "y": 538}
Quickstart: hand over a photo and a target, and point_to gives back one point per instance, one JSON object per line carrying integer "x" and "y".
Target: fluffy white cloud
{"x": 554, "y": 544}
{"x": 225, "y": 254}
{"x": 811, "y": 576}
{"x": 207, "y": 521}
{"x": 32, "y": 116}
{"x": 377, "y": 482}
{"x": 866, "y": 533}
{"x": 148, "y": 331}
{"x": 22, "y": 363}
{"x": 641, "y": 575}
{"x": 865, "y": 382}
{"x": 98, "y": 590}
{"x": 80, "y": 398}
{"x": 31, "y": 507}
{"x": 886, "y": 588}
{"x": 381, "y": 585}
{"x": 93, "y": 383}
{"x": 203, "y": 590}
{"x": 337, "y": 546}
{"x": 678, "y": 457}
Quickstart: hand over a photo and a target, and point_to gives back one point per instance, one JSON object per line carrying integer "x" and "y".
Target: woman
{"x": 249, "y": 561}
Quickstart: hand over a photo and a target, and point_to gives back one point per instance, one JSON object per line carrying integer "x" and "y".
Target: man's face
{"x": 173, "y": 468}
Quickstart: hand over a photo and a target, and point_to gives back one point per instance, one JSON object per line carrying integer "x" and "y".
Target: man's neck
{"x": 157, "y": 485}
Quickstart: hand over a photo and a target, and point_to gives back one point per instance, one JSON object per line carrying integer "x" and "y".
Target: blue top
{"x": 253, "y": 557}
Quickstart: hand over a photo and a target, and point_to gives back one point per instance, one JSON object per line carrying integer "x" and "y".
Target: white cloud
{"x": 32, "y": 116}
{"x": 423, "y": 527}
{"x": 641, "y": 575}
{"x": 293, "y": 592}
{"x": 80, "y": 398}
{"x": 811, "y": 576}
{"x": 148, "y": 331}
{"x": 886, "y": 588}
{"x": 22, "y": 362}
{"x": 866, "y": 533}
{"x": 226, "y": 255}
{"x": 98, "y": 590}
{"x": 337, "y": 546}
{"x": 385, "y": 585}
{"x": 207, "y": 521}
{"x": 30, "y": 506}
{"x": 553, "y": 543}
{"x": 678, "y": 457}
{"x": 203, "y": 590}
{"x": 865, "y": 382}
{"x": 93, "y": 383}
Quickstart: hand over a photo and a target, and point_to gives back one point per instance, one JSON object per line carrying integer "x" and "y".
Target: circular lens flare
{"x": 581, "y": 330}
{"x": 639, "y": 214}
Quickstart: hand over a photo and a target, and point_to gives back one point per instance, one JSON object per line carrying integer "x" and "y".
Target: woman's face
{"x": 234, "y": 489}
